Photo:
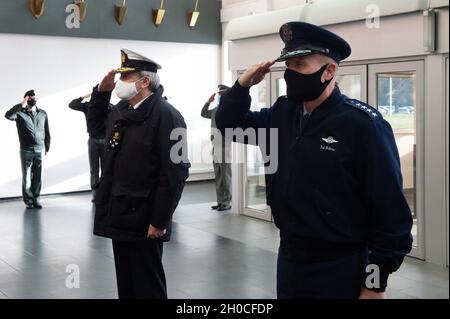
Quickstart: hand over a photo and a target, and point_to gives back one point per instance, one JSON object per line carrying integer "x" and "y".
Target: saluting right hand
{"x": 107, "y": 84}
{"x": 255, "y": 74}
{"x": 24, "y": 101}
{"x": 211, "y": 98}
{"x": 86, "y": 96}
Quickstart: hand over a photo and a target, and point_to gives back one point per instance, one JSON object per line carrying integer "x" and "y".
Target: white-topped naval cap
{"x": 133, "y": 62}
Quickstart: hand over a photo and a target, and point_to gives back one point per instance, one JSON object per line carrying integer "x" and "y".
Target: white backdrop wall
{"x": 61, "y": 69}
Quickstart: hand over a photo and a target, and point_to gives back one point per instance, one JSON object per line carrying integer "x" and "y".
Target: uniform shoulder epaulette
{"x": 369, "y": 110}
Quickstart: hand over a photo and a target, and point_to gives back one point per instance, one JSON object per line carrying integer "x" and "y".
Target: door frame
{"x": 418, "y": 67}
{"x": 446, "y": 170}
{"x": 242, "y": 154}
{"x": 359, "y": 69}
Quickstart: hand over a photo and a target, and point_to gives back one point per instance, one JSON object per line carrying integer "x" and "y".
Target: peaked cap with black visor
{"x": 301, "y": 39}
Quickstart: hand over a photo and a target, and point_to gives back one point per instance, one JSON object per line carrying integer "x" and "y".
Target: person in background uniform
{"x": 34, "y": 136}
{"x": 141, "y": 183}
{"x": 337, "y": 194}
{"x": 96, "y": 143}
{"x": 221, "y": 156}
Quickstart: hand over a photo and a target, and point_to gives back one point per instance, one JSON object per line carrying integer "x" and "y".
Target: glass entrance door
{"x": 277, "y": 85}
{"x": 254, "y": 177}
{"x": 396, "y": 89}
{"x": 352, "y": 81}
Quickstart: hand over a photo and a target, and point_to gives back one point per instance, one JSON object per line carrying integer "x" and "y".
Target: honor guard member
{"x": 34, "y": 136}
{"x": 221, "y": 156}
{"x": 337, "y": 194}
{"x": 96, "y": 142}
{"x": 141, "y": 184}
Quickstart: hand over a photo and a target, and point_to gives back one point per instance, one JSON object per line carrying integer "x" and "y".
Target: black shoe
{"x": 215, "y": 207}
{"x": 37, "y": 205}
{"x": 223, "y": 207}
{"x": 29, "y": 205}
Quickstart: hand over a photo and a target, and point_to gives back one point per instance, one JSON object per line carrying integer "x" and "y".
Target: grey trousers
{"x": 222, "y": 171}
{"x": 96, "y": 152}
{"x": 31, "y": 175}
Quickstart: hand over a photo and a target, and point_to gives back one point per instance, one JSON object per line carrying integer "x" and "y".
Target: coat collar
{"x": 327, "y": 106}
{"x": 139, "y": 115}
{"x": 26, "y": 110}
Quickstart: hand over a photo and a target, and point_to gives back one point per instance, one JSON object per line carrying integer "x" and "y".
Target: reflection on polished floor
{"x": 212, "y": 255}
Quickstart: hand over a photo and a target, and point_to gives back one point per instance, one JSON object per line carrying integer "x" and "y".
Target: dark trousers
{"x": 340, "y": 278}
{"x": 96, "y": 154}
{"x": 31, "y": 175}
{"x": 139, "y": 269}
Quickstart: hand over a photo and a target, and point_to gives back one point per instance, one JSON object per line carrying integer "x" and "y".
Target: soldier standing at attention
{"x": 221, "y": 156}
{"x": 337, "y": 194}
{"x": 34, "y": 136}
{"x": 141, "y": 183}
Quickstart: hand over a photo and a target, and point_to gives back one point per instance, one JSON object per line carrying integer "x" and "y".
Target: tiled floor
{"x": 211, "y": 255}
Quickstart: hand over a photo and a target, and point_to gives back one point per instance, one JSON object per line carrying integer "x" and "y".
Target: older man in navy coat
{"x": 142, "y": 179}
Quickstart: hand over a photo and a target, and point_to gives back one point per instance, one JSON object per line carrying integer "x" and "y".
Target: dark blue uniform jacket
{"x": 338, "y": 179}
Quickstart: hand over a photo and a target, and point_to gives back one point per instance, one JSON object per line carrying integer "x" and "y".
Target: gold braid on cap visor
{"x": 125, "y": 69}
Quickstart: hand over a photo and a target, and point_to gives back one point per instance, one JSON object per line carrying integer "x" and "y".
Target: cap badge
{"x": 286, "y": 33}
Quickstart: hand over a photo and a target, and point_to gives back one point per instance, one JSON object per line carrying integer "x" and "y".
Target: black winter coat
{"x": 338, "y": 178}
{"x": 140, "y": 184}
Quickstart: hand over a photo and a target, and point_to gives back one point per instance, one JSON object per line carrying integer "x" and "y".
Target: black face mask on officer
{"x": 305, "y": 87}
{"x": 31, "y": 103}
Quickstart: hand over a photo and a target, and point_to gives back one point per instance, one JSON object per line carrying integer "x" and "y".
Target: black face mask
{"x": 31, "y": 103}
{"x": 305, "y": 87}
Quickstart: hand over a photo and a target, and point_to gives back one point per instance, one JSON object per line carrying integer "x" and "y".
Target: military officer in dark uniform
{"x": 96, "y": 143}
{"x": 221, "y": 156}
{"x": 141, "y": 180}
{"x": 337, "y": 194}
{"x": 34, "y": 136}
